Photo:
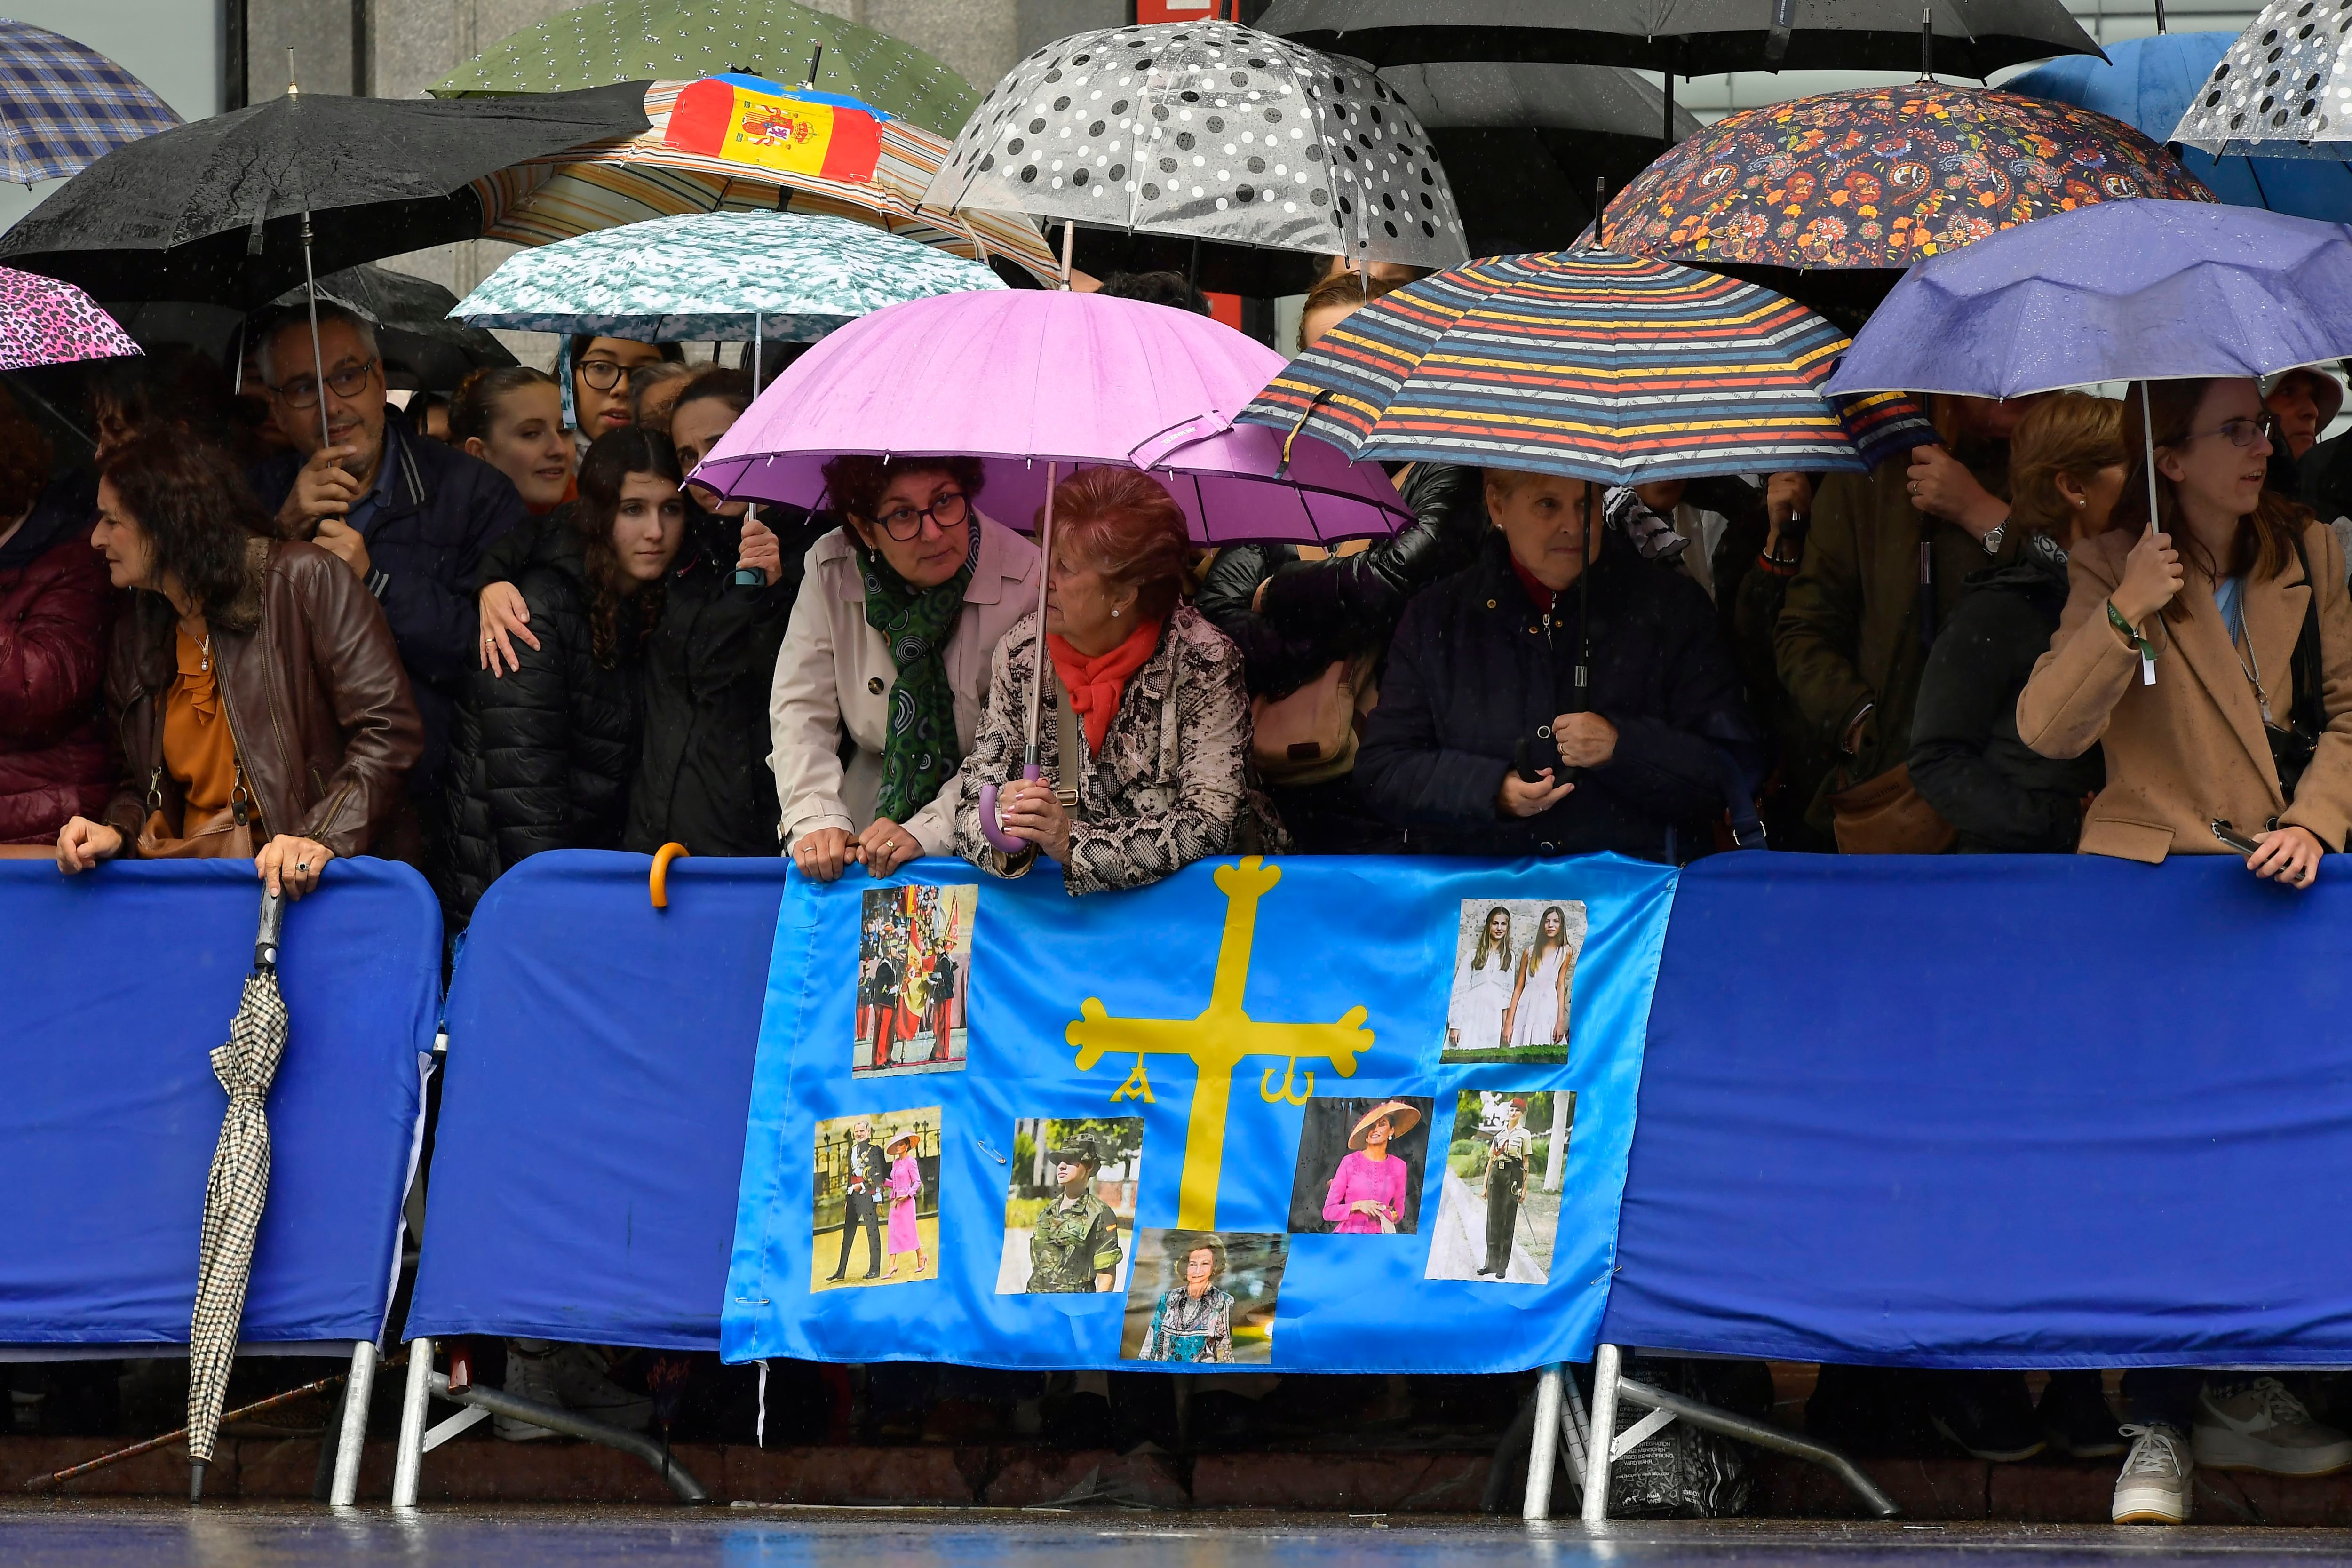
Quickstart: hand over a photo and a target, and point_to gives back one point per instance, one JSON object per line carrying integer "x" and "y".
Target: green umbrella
{"x": 632, "y": 40}
{"x": 727, "y": 277}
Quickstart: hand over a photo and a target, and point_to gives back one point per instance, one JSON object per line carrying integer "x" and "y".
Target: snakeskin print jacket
{"x": 1170, "y": 784}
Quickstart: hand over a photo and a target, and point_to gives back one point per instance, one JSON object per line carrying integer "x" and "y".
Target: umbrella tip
{"x": 195, "y": 1480}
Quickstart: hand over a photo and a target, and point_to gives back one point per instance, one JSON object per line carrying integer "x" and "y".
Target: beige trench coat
{"x": 835, "y": 672}
{"x": 2191, "y": 748}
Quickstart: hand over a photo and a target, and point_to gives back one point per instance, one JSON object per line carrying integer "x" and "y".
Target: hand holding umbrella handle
{"x": 273, "y": 922}
{"x": 989, "y": 830}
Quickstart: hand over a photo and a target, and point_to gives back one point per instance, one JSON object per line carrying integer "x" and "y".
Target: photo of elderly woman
{"x": 1203, "y": 1297}
{"x": 1504, "y": 1170}
{"x": 1360, "y": 1166}
{"x": 1070, "y": 1206}
{"x": 1513, "y": 968}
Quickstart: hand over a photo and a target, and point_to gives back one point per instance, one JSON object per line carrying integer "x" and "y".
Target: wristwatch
{"x": 1992, "y": 540}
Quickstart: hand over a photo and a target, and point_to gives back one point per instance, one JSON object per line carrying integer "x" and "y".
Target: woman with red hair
{"x": 1145, "y": 731}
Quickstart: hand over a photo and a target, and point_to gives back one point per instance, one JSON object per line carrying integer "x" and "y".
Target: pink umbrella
{"x": 1030, "y": 381}
{"x": 44, "y": 321}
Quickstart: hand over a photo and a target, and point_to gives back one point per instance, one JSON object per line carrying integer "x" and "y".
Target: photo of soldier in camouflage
{"x": 1070, "y": 1202}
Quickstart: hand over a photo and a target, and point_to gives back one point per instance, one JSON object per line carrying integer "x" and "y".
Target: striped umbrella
{"x": 669, "y": 173}
{"x": 1609, "y": 368}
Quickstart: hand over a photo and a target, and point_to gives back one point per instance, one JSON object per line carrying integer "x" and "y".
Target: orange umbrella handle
{"x": 659, "y": 884}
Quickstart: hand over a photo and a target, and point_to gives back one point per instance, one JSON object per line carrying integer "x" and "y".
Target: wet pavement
{"x": 150, "y": 1535}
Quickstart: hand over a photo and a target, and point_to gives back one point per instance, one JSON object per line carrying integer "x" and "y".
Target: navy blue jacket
{"x": 423, "y": 546}
{"x": 1472, "y": 669}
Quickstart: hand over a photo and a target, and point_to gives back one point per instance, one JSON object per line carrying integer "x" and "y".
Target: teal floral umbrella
{"x": 723, "y": 277}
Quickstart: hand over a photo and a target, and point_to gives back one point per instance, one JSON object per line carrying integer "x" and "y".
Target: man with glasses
{"x": 409, "y": 516}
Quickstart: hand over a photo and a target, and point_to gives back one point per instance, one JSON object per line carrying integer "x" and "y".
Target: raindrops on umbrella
{"x": 2279, "y": 86}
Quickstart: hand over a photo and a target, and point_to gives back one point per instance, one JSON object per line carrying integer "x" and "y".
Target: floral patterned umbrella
{"x": 44, "y": 321}
{"x": 725, "y": 277}
{"x": 1881, "y": 178}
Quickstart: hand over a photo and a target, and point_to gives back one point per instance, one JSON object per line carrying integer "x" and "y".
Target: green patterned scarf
{"x": 920, "y": 752}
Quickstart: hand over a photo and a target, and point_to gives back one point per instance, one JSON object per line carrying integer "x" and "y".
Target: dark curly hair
{"x": 855, "y": 482}
{"x": 24, "y": 461}
{"x": 189, "y": 499}
{"x": 610, "y": 459}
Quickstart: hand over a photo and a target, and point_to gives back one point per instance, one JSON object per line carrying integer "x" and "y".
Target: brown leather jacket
{"x": 316, "y": 698}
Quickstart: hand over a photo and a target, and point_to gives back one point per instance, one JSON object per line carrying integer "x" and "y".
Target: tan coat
{"x": 2191, "y": 748}
{"x": 835, "y": 672}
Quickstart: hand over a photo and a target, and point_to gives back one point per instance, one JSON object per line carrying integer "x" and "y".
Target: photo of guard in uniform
{"x": 914, "y": 980}
{"x": 1505, "y": 1166}
{"x": 1069, "y": 1207}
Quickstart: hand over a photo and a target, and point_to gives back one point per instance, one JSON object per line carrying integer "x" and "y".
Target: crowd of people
{"x": 298, "y": 624}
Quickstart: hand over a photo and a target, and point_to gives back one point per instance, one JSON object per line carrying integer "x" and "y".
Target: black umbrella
{"x": 1522, "y": 144}
{"x": 1688, "y": 38}
{"x": 217, "y": 211}
{"x": 422, "y": 348}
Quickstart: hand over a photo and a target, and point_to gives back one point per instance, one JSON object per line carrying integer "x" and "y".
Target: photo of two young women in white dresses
{"x": 1513, "y": 968}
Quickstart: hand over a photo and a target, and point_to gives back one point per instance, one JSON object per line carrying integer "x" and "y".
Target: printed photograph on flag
{"x": 1069, "y": 1207}
{"x": 1360, "y": 1165}
{"x": 914, "y": 979}
{"x": 876, "y": 1193}
{"x": 1499, "y": 1208}
{"x": 1202, "y": 1296}
{"x": 1514, "y": 978}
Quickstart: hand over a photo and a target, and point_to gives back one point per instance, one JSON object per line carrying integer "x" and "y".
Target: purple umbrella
{"x": 1030, "y": 380}
{"x": 44, "y": 321}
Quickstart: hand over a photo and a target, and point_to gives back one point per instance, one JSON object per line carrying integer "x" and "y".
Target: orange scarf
{"x": 1096, "y": 683}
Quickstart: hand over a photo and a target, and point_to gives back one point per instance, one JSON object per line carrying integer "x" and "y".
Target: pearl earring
{"x": 1114, "y": 615}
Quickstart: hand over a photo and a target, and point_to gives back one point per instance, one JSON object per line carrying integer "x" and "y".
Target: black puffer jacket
{"x": 542, "y": 757}
{"x": 1966, "y": 758}
{"x": 1473, "y": 670}
{"x": 1319, "y": 611}
{"x": 703, "y": 779}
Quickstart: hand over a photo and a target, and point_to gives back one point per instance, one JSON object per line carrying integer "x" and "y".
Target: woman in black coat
{"x": 1479, "y": 723}
{"x": 2066, "y": 471}
{"x": 543, "y": 758}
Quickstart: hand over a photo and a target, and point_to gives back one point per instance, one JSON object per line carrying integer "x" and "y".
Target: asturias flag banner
{"x": 1324, "y": 1113}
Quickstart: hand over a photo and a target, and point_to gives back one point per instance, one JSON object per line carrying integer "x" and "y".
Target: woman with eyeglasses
{"x": 898, "y": 612}
{"x": 2241, "y": 740}
{"x": 601, "y": 369}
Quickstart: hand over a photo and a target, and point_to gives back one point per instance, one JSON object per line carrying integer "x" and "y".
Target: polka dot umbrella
{"x": 1211, "y": 132}
{"x": 2282, "y": 91}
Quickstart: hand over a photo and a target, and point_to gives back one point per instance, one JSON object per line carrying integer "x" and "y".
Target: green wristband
{"x": 2115, "y": 619}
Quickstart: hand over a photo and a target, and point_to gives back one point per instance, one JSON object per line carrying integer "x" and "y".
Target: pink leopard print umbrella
{"x": 44, "y": 321}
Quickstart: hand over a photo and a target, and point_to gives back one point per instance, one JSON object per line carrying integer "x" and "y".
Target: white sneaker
{"x": 2264, "y": 1427}
{"x": 530, "y": 1375}
{"x": 2153, "y": 1488}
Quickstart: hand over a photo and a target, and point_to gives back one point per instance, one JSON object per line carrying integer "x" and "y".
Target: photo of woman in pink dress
{"x": 1367, "y": 1196}
{"x": 904, "y": 1187}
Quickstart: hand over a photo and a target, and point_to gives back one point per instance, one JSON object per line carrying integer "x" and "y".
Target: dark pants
{"x": 2163, "y": 1396}
{"x": 862, "y": 1211}
{"x": 1502, "y": 1214}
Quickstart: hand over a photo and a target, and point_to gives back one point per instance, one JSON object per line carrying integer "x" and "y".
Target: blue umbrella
{"x": 64, "y": 105}
{"x": 2151, "y": 85}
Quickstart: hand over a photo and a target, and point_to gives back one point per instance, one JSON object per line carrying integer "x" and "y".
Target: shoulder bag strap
{"x": 2309, "y": 712}
{"x": 1065, "y": 730}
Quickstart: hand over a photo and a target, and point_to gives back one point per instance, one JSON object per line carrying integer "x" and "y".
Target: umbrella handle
{"x": 989, "y": 830}
{"x": 273, "y": 923}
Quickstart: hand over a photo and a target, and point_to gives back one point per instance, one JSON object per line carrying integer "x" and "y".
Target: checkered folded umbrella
{"x": 64, "y": 105}
{"x": 235, "y": 1191}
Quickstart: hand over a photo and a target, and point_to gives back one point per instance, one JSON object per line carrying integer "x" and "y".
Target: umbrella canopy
{"x": 1691, "y": 38}
{"x": 2282, "y": 91}
{"x": 2151, "y": 85}
{"x": 236, "y": 1189}
{"x": 421, "y": 347}
{"x": 712, "y": 278}
{"x": 1208, "y": 130}
{"x": 2120, "y": 291}
{"x": 1023, "y": 377}
{"x": 213, "y": 211}
{"x": 1523, "y": 143}
{"x": 64, "y": 105}
{"x": 664, "y": 172}
{"x": 1609, "y": 368}
{"x": 1881, "y": 178}
{"x": 612, "y": 41}
{"x": 44, "y": 321}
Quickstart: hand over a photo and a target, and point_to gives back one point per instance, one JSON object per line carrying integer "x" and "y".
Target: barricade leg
{"x": 1608, "y": 1365}
{"x": 409, "y": 1462}
{"x": 350, "y": 1442}
{"x": 1543, "y": 1452}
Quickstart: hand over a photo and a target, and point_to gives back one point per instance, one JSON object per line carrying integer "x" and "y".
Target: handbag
{"x": 1309, "y": 736}
{"x": 2295, "y": 743}
{"x": 225, "y": 833}
{"x": 1888, "y": 816}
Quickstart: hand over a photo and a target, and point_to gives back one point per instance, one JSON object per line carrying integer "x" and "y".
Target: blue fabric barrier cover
{"x": 590, "y": 1137}
{"x": 124, "y": 980}
{"x": 1974, "y": 1111}
{"x": 1156, "y": 1022}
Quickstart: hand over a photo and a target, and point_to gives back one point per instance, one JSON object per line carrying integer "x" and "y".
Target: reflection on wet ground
{"x": 150, "y": 1535}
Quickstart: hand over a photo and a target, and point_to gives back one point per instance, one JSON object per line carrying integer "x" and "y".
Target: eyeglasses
{"x": 2242, "y": 432}
{"x": 344, "y": 381}
{"x": 946, "y": 511}
{"x": 603, "y": 375}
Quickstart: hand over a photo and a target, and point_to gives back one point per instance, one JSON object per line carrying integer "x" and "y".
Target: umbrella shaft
{"x": 1044, "y": 575}
{"x": 310, "y": 288}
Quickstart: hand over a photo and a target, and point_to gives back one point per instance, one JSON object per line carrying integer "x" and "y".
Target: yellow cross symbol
{"x": 1218, "y": 1040}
